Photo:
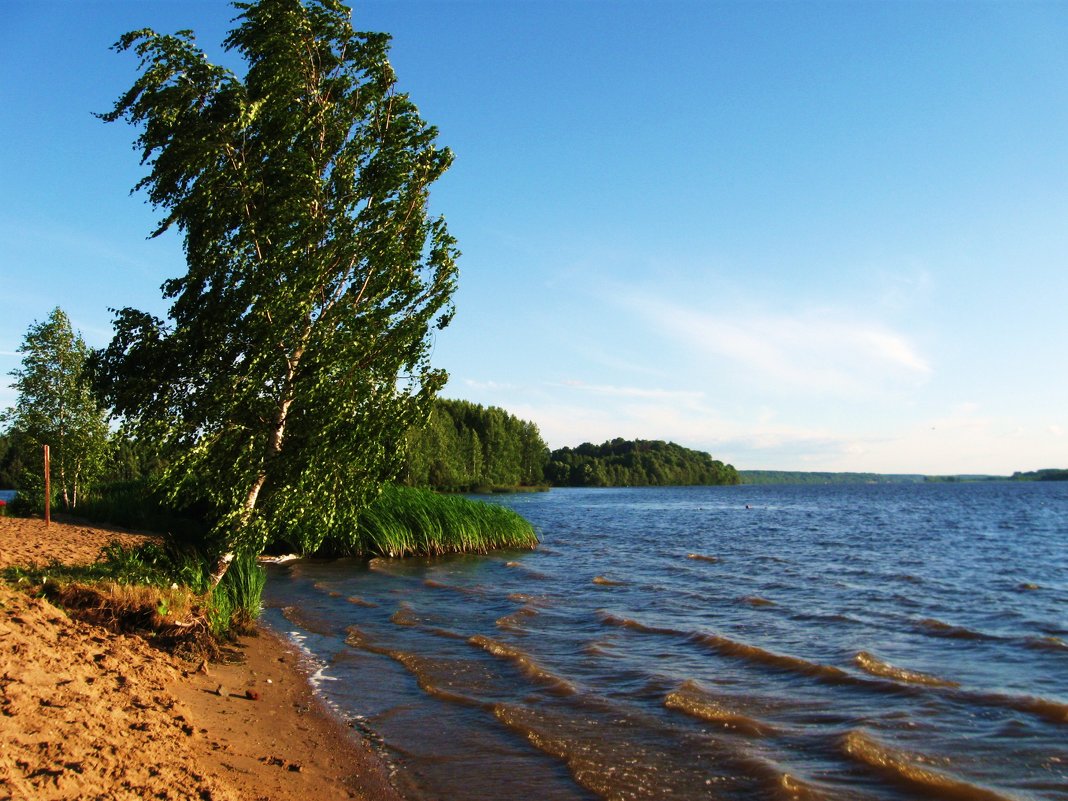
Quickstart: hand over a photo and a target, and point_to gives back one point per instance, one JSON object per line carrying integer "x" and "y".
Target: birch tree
{"x": 56, "y": 407}
{"x": 296, "y": 350}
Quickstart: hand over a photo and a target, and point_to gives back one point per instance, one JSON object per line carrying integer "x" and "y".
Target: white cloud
{"x": 817, "y": 350}
{"x": 678, "y": 396}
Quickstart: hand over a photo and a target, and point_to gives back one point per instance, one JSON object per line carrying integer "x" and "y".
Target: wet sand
{"x": 88, "y": 713}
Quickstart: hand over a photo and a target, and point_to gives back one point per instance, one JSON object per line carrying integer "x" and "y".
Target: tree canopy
{"x": 296, "y": 350}
{"x": 55, "y": 407}
{"x": 636, "y": 463}
{"x": 466, "y": 446}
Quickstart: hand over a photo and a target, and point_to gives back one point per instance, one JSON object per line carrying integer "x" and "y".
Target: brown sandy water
{"x": 859, "y": 642}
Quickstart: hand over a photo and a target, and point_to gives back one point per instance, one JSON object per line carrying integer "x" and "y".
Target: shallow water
{"x": 852, "y": 642}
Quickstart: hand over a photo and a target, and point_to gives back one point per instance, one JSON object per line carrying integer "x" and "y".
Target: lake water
{"x": 755, "y": 642}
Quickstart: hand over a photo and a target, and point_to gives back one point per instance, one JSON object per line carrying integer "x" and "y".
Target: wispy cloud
{"x": 649, "y": 393}
{"x": 815, "y": 350}
{"x": 490, "y": 386}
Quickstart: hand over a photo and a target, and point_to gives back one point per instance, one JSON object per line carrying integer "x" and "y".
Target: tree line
{"x": 461, "y": 446}
{"x": 465, "y": 446}
{"x": 635, "y": 463}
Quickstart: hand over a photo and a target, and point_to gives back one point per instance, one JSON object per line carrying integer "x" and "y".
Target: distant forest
{"x": 635, "y": 463}
{"x": 799, "y": 477}
{"x": 465, "y": 446}
{"x": 1049, "y": 474}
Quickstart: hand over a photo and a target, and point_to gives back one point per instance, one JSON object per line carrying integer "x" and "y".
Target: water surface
{"x": 757, "y": 642}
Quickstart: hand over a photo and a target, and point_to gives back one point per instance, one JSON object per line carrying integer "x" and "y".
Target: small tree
{"x": 297, "y": 350}
{"x": 56, "y": 407}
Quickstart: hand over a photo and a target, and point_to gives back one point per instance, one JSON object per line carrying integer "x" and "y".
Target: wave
{"x": 527, "y": 598}
{"x": 938, "y": 628}
{"x": 382, "y": 564}
{"x": 607, "y": 582}
{"x": 438, "y": 678}
{"x": 700, "y": 557}
{"x": 912, "y": 771}
{"x": 753, "y": 653}
{"x": 877, "y": 667}
{"x": 908, "y": 578}
{"x": 600, "y": 649}
{"x": 527, "y": 666}
{"x": 696, "y": 702}
{"x": 404, "y": 616}
{"x": 756, "y": 600}
{"x": 307, "y": 620}
{"x": 534, "y": 574}
{"x": 1046, "y": 708}
{"x": 1046, "y": 643}
{"x": 514, "y": 621}
{"x": 626, "y": 623}
{"x": 355, "y": 637}
{"x": 615, "y": 754}
{"x": 791, "y": 788}
{"x": 358, "y": 601}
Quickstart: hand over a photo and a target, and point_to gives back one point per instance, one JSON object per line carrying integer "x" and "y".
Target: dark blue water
{"x": 849, "y": 642}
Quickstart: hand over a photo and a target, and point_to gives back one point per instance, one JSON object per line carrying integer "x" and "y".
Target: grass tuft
{"x": 404, "y": 522}
{"x": 235, "y": 603}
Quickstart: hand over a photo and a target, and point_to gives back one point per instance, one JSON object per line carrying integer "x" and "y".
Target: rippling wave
{"x": 525, "y": 663}
{"x": 913, "y": 770}
{"x": 879, "y": 668}
{"x": 831, "y": 644}
{"x": 699, "y": 703}
{"x": 703, "y": 558}
{"x": 937, "y": 628}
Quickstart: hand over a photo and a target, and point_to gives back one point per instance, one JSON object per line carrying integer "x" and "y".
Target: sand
{"x": 90, "y": 714}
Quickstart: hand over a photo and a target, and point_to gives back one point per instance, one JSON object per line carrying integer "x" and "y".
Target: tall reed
{"x": 404, "y": 521}
{"x": 235, "y": 602}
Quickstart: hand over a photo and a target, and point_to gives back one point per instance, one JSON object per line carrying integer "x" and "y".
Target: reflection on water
{"x": 858, "y": 642}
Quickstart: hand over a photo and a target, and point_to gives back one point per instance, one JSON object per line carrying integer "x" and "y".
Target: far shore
{"x": 86, "y": 712}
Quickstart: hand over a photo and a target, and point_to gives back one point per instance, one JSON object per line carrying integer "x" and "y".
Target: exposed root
{"x": 171, "y": 620}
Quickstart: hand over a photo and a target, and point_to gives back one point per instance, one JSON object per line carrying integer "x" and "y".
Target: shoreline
{"x": 85, "y": 711}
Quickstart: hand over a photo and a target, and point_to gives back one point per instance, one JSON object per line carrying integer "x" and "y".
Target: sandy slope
{"x": 86, "y": 713}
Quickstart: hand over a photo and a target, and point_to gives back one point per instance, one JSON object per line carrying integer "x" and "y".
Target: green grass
{"x": 178, "y": 576}
{"x": 406, "y": 522}
{"x": 150, "y": 564}
{"x": 235, "y": 603}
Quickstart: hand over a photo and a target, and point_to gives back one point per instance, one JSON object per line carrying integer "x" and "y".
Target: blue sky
{"x": 813, "y": 236}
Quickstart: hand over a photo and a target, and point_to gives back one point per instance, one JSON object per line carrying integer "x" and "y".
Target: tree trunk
{"x": 222, "y": 564}
{"x": 274, "y": 447}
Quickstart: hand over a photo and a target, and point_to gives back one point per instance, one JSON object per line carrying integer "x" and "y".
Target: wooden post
{"x": 48, "y": 488}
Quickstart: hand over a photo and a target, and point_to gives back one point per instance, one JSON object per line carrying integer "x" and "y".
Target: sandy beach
{"x": 90, "y": 714}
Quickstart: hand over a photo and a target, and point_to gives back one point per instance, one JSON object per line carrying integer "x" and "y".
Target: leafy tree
{"x": 467, "y": 446}
{"x": 636, "y": 463}
{"x": 297, "y": 345}
{"x": 56, "y": 407}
